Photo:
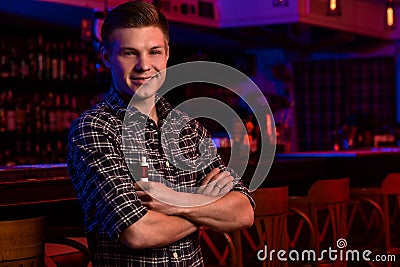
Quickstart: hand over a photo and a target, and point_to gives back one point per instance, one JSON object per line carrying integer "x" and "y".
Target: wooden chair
{"x": 326, "y": 204}
{"x": 270, "y": 229}
{"x": 387, "y": 197}
{"x": 365, "y": 222}
{"x": 218, "y": 248}
{"x": 271, "y": 220}
{"x": 66, "y": 246}
{"x": 22, "y": 243}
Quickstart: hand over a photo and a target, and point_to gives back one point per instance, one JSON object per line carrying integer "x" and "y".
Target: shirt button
{"x": 167, "y": 163}
{"x": 175, "y": 255}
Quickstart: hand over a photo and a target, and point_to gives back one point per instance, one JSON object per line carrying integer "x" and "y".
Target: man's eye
{"x": 128, "y": 53}
{"x": 155, "y": 52}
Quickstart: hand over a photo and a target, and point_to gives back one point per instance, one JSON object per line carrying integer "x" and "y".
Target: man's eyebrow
{"x": 158, "y": 47}
{"x": 127, "y": 48}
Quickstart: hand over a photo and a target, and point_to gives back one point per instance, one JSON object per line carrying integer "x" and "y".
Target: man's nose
{"x": 143, "y": 63}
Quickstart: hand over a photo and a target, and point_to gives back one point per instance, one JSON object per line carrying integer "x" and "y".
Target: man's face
{"x": 136, "y": 57}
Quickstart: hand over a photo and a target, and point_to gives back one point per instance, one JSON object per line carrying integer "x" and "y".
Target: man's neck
{"x": 146, "y": 107}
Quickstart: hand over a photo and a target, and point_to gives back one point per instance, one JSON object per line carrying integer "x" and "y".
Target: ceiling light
{"x": 334, "y": 8}
{"x": 390, "y": 16}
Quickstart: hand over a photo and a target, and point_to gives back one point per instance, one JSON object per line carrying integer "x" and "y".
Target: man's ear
{"x": 167, "y": 51}
{"x": 105, "y": 55}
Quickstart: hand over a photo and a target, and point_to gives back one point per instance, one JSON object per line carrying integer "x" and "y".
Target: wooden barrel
{"x": 22, "y": 243}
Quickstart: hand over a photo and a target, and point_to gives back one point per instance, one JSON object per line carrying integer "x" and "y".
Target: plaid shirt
{"x": 103, "y": 156}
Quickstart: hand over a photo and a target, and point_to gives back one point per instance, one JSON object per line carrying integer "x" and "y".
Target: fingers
{"x": 225, "y": 186}
{"x": 225, "y": 182}
{"x": 210, "y": 176}
{"x": 222, "y": 183}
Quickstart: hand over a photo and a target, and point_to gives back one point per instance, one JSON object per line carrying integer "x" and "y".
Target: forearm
{"x": 226, "y": 212}
{"x": 156, "y": 230}
{"x": 230, "y": 212}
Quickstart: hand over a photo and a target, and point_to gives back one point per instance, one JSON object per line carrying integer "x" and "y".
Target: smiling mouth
{"x": 141, "y": 80}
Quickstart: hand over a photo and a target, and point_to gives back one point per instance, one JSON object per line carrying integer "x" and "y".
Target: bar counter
{"x": 34, "y": 184}
{"x": 47, "y": 189}
{"x": 364, "y": 167}
{"x": 39, "y": 190}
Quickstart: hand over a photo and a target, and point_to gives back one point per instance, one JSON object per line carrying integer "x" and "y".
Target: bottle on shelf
{"x": 5, "y": 67}
{"x": 76, "y": 69}
{"x": 84, "y": 61}
{"x": 51, "y": 113}
{"x": 37, "y": 114}
{"x": 62, "y": 68}
{"x": 3, "y": 127}
{"x": 59, "y": 114}
{"x": 3, "y": 115}
{"x": 55, "y": 62}
{"x": 29, "y": 156}
{"x": 69, "y": 60}
{"x": 21, "y": 127}
{"x": 31, "y": 60}
{"x": 42, "y": 95}
{"x": 67, "y": 119}
{"x": 20, "y": 114}
{"x": 47, "y": 62}
{"x": 9, "y": 151}
{"x": 40, "y": 58}
{"x": 10, "y": 112}
{"x": 74, "y": 109}
{"x": 14, "y": 64}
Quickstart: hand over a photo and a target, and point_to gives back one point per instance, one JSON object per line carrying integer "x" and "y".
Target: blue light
{"x": 52, "y": 12}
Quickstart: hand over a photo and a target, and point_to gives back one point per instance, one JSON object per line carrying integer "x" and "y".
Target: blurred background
{"x": 327, "y": 68}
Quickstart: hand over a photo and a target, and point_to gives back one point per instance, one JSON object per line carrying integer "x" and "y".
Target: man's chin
{"x": 142, "y": 95}
{"x": 147, "y": 89}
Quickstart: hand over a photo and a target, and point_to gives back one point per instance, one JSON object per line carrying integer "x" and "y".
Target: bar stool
{"x": 22, "y": 243}
{"x": 387, "y": 196}
{"x": 270, "y": 228}
{"x": 326, "y": 202}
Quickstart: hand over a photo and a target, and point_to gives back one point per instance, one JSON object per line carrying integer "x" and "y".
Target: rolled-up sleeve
{"x": 101, "y": 179}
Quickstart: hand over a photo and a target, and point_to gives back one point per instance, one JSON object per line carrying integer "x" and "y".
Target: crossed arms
{"x": 214, "y": 206}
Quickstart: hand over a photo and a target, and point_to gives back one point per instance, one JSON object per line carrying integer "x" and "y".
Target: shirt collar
{"x": 119, "y": 105}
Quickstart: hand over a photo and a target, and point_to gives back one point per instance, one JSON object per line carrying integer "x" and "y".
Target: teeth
{"x": 146, "y": 79}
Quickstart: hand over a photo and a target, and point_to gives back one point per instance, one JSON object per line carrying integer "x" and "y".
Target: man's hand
{"x": 214, "y": 205}
{"x": 216, "y": 183}
{"x": 156, "y": 196}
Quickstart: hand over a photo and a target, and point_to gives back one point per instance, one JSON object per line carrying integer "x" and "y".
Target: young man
{"x": 131, "y": 223}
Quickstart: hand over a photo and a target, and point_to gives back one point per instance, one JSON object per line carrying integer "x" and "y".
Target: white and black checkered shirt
{"x": 101, "y": 164}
